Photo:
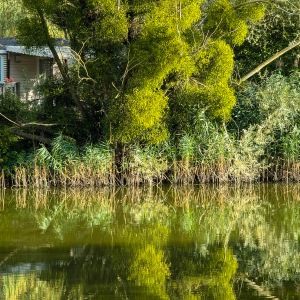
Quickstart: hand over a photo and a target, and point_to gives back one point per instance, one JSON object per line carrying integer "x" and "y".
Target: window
{"x": 45, "y": 67}
{"x": 1, "y": 69}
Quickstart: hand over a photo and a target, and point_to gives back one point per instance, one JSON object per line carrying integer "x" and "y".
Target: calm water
{"x": 154, "y": 243}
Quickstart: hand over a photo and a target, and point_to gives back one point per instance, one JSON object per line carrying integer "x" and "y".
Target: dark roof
{"x": 9, "y": 41}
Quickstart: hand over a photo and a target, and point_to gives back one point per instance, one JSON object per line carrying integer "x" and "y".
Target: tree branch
{"x": 30, "y": 136}
{"x": 16, "y": 130}
{"x": 268, "y": 61}
{"x": 265, "y": 2}
{"x": 251, "y": 2}
{"x": 60, "y": 65}
{"x": 9, "y": 120}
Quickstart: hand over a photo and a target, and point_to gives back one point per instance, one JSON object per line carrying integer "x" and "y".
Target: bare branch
{"x": 38, "y": 124}
{"x": 9, "y": 120}
{"x": 268, "y": 61}
{"x": 251, "y": 2}
{"x": 82, "y": 64}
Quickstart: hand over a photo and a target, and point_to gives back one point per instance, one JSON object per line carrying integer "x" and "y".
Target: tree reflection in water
{"x": 176, "y": 243}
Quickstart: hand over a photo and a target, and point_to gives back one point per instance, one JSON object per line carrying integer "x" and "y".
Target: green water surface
{"x": 201, "y": 242}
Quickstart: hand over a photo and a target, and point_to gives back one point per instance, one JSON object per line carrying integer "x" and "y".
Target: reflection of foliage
{"x": 45, "y": 218}
{"x": 208, "y": 277}
{"x": 209, "y": 222}
{"x": 260, "y": 224}
{"x": 273, "y": 245}
{"x": 220, "y": 267}
{"x": 64, "y": 218}
{"x": 149, "y": 212}
{"x": 150, "y": 269}
{"x": 20, "y": 286}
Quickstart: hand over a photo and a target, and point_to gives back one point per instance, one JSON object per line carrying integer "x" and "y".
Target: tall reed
{"x": 65, "y": 164}
{"x": 144, "y": 165}
{"x": 2, "y": 180}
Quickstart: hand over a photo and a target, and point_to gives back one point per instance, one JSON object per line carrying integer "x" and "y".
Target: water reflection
{"x": 203, "y": 242}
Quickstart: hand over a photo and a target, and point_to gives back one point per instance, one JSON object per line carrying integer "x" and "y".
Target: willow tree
{"x": 144, "y": 68}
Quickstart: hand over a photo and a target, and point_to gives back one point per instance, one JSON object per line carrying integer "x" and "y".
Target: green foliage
{"x": 272, "y": 132}
{"x": 112, "y": 26}
{"x": 141, "y": 63}
{"x": 31, "y": 24}
{"x": 208, "y": 88}
{"x": 226, "y": 24}
{"x": 228, "y": 21}
{"x": 146, "y": 164}
{"x": 291, "y": 145}
{"x": 208, "y": 142}
{"x": 7, "y": 155}
{"x": 98, "y": 156}
{"x": 159, "y": 51}
{"x": 277, "y": 30}
{"x": 11, "y": 106}
{"x": 149, "y": 71}
{"x": 215, "y": 63}
{"x": 143, "y": 118}
{"x": 186, "y": 146}
{"x": 10, "y": 145}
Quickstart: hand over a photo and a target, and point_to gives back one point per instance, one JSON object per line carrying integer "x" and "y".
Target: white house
{"x": 22, "y": 68}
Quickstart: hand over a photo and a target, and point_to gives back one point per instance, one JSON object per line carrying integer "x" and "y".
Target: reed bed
{"x": 96, "y": 167}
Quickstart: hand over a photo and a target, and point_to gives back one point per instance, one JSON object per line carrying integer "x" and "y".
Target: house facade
{"x": 21, "y": 69}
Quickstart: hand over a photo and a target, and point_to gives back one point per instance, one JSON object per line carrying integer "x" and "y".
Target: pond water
{"x": 200, "y": 242}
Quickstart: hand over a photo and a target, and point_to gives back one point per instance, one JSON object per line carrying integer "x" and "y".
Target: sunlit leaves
{"x": 144, "y": 110}
{"x": 159, "y": 51}
{"x": 229, "y": 21}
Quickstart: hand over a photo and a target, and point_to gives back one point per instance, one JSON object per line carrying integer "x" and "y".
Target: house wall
{"x": 25, "y": 71}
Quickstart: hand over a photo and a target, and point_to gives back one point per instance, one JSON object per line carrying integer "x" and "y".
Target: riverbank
{"x": 99, "y": 166}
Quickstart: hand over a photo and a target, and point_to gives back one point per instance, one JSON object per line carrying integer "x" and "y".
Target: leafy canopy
{"x": 145, "y": 68}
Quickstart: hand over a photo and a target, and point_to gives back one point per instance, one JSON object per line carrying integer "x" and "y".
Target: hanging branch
{"x": 30, "y": 136}
{"x": 9, "y": 120}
